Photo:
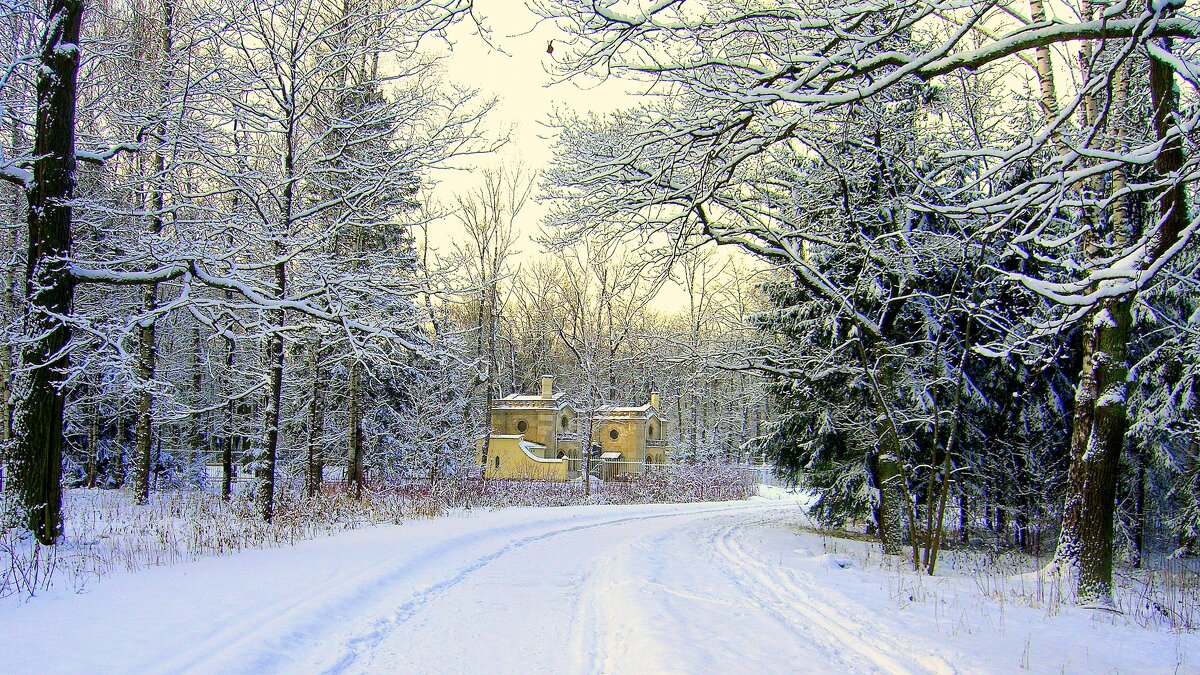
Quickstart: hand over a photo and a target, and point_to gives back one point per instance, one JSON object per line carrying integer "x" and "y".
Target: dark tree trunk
{"x": 1139, "y": 505}
{"x": 264, "y": 466}
{"x": 1098, "y": 430}
{"x": 964, "y": 518}
{"x": 889, "y": 510}
{"x": 93, "y": 444}
{"x": 1097, "y": 436}
{"x": 354, "y": 459}
{"x": 197, "y": 426}
{"x": 147, "y": 348}
{"x": 119, "y": 444}
{"x": 230, "y": 421}
{"x": 316, "y": 425}
{"x": 38, "y": 417}
{"x": 145, "y": 408}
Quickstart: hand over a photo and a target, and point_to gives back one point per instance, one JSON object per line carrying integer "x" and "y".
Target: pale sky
{"x": 517, "y": 77}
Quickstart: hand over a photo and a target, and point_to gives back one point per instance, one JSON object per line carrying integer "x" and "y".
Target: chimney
{"x": 655, "y": 402}
{"x": 547, "y": 386}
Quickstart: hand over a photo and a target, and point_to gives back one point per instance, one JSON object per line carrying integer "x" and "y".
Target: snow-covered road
{"x": 697, "y": 588}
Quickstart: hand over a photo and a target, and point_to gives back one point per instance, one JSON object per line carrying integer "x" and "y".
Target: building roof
{"x": 610, "y": 455}
{"x": 627, "y": 412}
{"x": 526, "y": 402}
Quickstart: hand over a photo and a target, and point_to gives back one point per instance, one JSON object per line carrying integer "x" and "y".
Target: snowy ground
{"x": 693, "y": 588}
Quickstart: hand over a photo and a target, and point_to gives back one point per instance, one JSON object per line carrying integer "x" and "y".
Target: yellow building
{"x": 532, "y": 437}
{"x": 537, "y": 437}
{"x": 630, "y": 438}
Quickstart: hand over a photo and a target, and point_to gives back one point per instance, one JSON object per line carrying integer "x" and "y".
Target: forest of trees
{"x": 937, "y": 257}
{"x": 978, "y": 216}
{"x": 217, "y": 225}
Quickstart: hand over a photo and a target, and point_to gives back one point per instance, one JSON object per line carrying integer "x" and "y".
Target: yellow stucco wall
{"x": 630, "y": 442}
{"x": 515, "y": 463}
{"x": 542, "y": 425}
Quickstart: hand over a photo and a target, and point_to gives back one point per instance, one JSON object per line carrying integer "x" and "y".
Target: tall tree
{"x": 36, "y": 456}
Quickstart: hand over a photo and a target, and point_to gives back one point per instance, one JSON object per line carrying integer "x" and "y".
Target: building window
{"x": 497, "y": 461}
{"x": 613, "y": 434}
{"x": 564, "y": 421}
{"x": 652, "y": 431}
{"x": 522, "y": 426}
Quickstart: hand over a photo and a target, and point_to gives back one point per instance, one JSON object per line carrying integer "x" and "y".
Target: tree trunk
{"x": 889, "y": 509}
{"x": 894, "y": 504}
{"x": 38, "y": 418}
{"x": 354, "y": 459}
{"x": 264, "y": 466}
{"x": 1098, "y": 431}
{"x": 1139, "y": 506}
{"x": 1097, "y": 435}
{"x": 119, "y": 443}
{"x": 964, "y": 517}
{"x": 147, "y": 348}
{"x": 316, "y": 425}
{"x": 93, "y": 444}
{"x": 196, "y": 430}
{"x": 230, "y": 421}
{"x": 488, "y": 394}
{"x": 145, "y": 406}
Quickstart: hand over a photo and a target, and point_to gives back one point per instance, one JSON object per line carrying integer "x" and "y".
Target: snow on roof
{"x": 610, "y": 455}
{"x": 524, "y": 401}
{"x": 640, "y": 412}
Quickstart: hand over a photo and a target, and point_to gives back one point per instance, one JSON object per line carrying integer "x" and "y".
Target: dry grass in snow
{"x": 106, "y": 532}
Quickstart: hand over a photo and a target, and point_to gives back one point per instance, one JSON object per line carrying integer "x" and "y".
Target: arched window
{"x": 522, "y": 426}
{"x": 564, "y": 421}
{"x": 652, "y": 430}
{"x": 497, "y": 461}
{"x": 613, "y": 434}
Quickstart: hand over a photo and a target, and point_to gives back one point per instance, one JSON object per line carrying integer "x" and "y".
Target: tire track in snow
{"x": 606, "y": 634}
{"x": 799, "y": 603}
{"x": 582, "y": 645}
{"x": 300, "y": 627}
{"x": 359, "y": 644}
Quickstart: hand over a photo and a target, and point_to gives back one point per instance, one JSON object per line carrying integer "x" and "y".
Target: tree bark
{"x": 119, "y": 443}
{"x": 147, "y": 348}
{"x": 889, "y": 509}
{"x": 264, "y": 466}
{"x": 488, "y": 393}
{"x": 316, "y": 424}
{"x": 230, "y": 421}
{"x": 354, "y": 459}
{"x": 93, "y": 444}
{"x": 1097, "y": 436}
{"x": 196, "y": 425}
{"x": 38, "y": 417}
{"x": 1100, "y": 420}
{"x": 145, "y": 407}
{"x": 1139, "y": 505}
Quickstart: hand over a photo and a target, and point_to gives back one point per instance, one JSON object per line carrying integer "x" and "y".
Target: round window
{"x": 613, "y": 434}
{"x": 522, "y": 426}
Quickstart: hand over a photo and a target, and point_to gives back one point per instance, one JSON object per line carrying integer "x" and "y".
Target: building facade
{"x": 538, "y": 438}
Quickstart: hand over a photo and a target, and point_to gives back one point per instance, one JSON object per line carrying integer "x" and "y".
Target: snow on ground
{"x": 687, "y": 588}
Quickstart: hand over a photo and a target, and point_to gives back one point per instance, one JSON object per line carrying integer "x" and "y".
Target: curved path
{"x": 695, "y": 588}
